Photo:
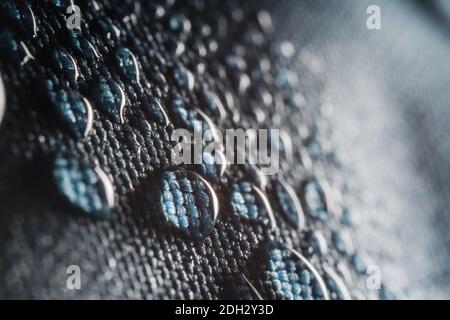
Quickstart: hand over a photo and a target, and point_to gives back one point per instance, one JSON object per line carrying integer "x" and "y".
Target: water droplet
{"x": 243, "y": 82}
{"x": 342, "y": 242}
{"x": 256, "y": 175}
{"x": 285, "y": 49}
{"x": 293, "y": 277}
{"x": 318, "y": 242}
{"x": 289, "y": 203}
{"x": 180, "y": 23}
{"x": 250, "y": 203}
{"x": 184, "y": 78}
{"x": 155, "y": 111}
{"x": 336, "y": 285}
{"x": 358, "y": 263}
{"x": 214, "y": 165}
{"x": 213, "y": 104}
{"x": 82, "y": 45}
{"x": 347, "y": 217}
{"x": 385, "y": 293}
{"x": 128, "y": 64}
{"x": 286, "y": 79}
{"x": 22, "y": 14}
{"x": 110, "y": 98}
{"x": 85, "y": 187}
{"x": 194, "y": 119}
{"x": 2, "y": 99}
{"x": 73, "y": 110}
{"x": 65, "y": 63}
{"x": 314, "y": 202}
{"x": 188, "y": 203}
{"x": 265, "y": 20}
{"x": 235, "y": 63}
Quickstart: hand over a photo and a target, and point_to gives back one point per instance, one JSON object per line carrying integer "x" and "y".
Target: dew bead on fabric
{"x": 188, "y": 203}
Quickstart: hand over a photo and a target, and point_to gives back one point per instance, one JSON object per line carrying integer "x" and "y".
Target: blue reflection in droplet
{"x": 289, "y": 203}
{"x": 314, "y": 200}
{"x": 110, "y": 98}
{"x": 188, "y": 203}
{"x": 73, "y": 110}
{"x": 128, "y": 63}
{"x": 85, "y": 187}
{"x": 65, "y": 63}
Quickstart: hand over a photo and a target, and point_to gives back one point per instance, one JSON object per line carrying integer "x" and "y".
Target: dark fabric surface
{"x": 386, "y": 89}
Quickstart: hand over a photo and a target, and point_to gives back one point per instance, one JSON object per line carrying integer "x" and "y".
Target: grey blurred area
{"x": 389, "y": 89}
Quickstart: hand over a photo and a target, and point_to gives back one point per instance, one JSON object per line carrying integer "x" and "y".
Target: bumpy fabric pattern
{"x": 146, "y": 68}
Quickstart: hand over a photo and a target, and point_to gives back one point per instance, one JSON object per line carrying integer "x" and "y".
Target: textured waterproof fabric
{"x": 87, "y": 177}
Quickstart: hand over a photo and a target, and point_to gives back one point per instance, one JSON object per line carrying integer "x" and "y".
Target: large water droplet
{"x": 314, "y": 202}
{"x": 188, "y": 203}
{"x": 248, "y": 202}
{"x": 293, "y": 277}
{"x": 128, "y": 64}
{"x": 73, "y": 110}
{"x": 22, "y": 14}
{"x": 110, "y": 98}
{"x": 84, "y": 186}
{"x": 289, "y": 203}
{"x": 65, "y": 63}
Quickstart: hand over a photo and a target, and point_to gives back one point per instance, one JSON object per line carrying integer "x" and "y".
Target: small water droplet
{"x": 184, "y": 78}
{"x": 65, "y": 63}
{"x": 235, "y": 63}
{"x": 82, "y": 45}
{"x": 314, "y": 202}
{"x": 318, "y": 242}
{"x": 256, "y": 175}
{"x": 265, "y": 20}
{"x": 155, "y": 111}
{"x": 336, "y": 285}
{"x": 84, "y": 186}
{"x": 109, "y": 97}
{"x": 73, "y": 110}
{"x": 342, "y": 242}
{"x": 194, "y": 119}
{"x": 128, "y": 63}
{"x": 188, "y": 203}
{"x": 250, "y": 203}
{"x": 286, "y": 79}
{"x": 285, "y": 49}
{"x": 214, "y": 165}
{"x": 289, "y": 203}
{"x": 358, "y": 263}
{"x": 212, "y": 103}
{"x": 180, "y": 23}
{"x": 243, "y": 82}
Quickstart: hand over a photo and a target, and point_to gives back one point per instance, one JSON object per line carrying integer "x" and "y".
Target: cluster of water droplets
{"x": 177, "y": 88}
